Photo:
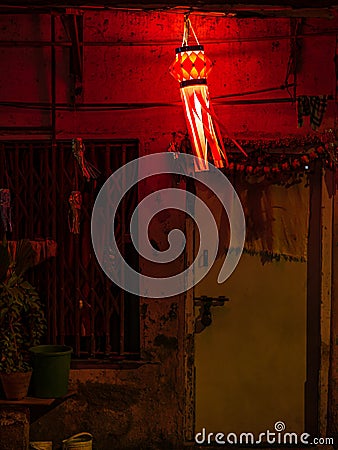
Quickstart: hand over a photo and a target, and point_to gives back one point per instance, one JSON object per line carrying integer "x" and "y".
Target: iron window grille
{"x": 84, "y": 308}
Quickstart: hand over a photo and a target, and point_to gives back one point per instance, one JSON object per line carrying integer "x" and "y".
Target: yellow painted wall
{"x": 251, "y": 362}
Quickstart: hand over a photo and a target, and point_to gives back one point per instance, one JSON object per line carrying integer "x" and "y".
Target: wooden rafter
{"x": 242, "y": 8}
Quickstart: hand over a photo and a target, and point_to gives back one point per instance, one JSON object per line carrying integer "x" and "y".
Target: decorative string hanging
{"x": 6, "y": 202}
{"x": 191, "y": 68}
{"x": 5, "y": 209}
{"x": 279, "y": 161}
{"x": 88, "y": 171}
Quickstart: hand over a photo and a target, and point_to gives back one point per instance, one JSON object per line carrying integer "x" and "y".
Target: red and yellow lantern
{"x": 191, "y": 68}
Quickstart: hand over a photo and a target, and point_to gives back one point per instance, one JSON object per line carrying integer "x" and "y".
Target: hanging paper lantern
{"x": 5, "y": 209}
{"x": 191, "y": 68}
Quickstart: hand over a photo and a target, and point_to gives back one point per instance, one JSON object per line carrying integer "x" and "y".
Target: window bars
{"x": 84, "y": 308}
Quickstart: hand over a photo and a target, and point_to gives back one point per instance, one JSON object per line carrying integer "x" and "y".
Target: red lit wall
{"x": 249, "y": 55}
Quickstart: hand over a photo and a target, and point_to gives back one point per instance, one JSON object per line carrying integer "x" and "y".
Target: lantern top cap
{"x": 189, "y": 48}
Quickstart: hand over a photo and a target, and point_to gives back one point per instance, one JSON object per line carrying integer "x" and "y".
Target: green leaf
{"x": 22, "y": 322}
{"x": 25, "y": 256}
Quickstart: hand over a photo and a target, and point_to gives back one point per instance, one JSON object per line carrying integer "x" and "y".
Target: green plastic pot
{"x": 51, "y": 365}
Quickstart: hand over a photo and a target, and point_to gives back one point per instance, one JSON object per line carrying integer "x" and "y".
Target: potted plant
{"x": 22, "y": 320}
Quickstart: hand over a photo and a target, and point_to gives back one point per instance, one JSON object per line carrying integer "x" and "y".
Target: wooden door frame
{"x": 189, "y": 340}
{"x": 327, "y": 226}
{"x": 319, "y": 298}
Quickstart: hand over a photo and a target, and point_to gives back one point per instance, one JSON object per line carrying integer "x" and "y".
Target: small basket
{"x": 80, "y": 441}
{"x": 41, "y": 445}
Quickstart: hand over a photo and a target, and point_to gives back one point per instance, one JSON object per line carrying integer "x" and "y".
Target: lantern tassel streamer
{"x": 218, "y": 124}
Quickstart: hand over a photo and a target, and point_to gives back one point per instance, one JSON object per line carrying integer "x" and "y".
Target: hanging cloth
{"x": 313, "y": 106}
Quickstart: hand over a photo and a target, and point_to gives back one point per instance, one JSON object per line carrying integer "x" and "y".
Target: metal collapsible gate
{"x": 83, "y": 307}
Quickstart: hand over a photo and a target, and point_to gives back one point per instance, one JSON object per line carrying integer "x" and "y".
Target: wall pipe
{"x": 53, "y": 79}
{"x": 5, "y": 43}
{"x": 132, "y": 106}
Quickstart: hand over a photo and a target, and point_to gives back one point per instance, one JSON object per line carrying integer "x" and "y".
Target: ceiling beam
{"x": 156, "y": 4}
{"x": 241, "y": 9}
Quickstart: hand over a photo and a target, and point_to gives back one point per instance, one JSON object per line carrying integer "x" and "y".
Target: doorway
{"x": 261, "y": 360}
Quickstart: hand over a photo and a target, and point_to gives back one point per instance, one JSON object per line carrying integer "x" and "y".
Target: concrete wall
{"x": 333, "y": 386}
{"x": 139, "y": 73}
{"x": 143, "y": 408}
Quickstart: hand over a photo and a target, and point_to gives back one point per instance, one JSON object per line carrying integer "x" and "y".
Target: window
{"x": 84, "y": 308}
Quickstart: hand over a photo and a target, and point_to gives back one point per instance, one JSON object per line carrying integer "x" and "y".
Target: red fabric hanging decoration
{"x": 75, "y": 202}
{"x": 5, "y": 209}
{"x": 191, "y": 68}
{"x": 88, "y": 170}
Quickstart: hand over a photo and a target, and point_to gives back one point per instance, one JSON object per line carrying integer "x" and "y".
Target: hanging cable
{"x": 293, "y": 61}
